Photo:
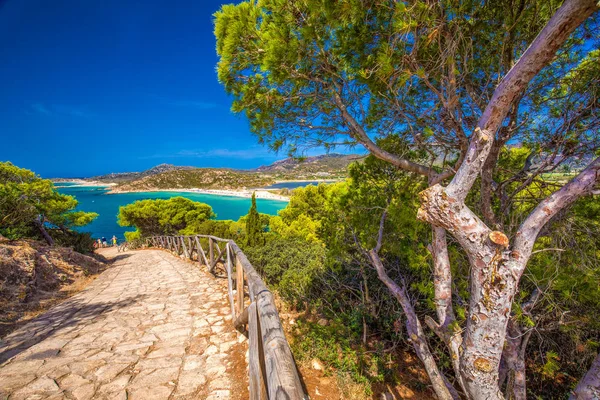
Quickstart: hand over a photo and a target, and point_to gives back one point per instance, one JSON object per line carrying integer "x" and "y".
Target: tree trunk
{"x": 589, "y": 386}
{"x": 39, "y": 222}
{"x": 514, "y": 352}
{"x": 495, "y": 269}
{"x": 442, "y": 277}
{"x": 442, "y": 387}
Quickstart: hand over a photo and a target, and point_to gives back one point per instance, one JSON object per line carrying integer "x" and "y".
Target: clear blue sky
{"x": 92, "y": 87}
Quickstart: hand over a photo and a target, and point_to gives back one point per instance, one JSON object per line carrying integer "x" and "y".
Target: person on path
{"x": 104, "y": 241}
{"x": 114, "y": 241}
{"x": 99, "y": 243}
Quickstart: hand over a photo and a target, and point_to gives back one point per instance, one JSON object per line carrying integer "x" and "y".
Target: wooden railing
{"x": 272, "y": 370}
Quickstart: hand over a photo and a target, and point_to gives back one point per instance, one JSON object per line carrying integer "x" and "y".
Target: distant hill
{"x": 120, "y": 177}
{"x": 332, "y": 166}
{"x": 201, "y": 178}
{"x": 167, "y": 176}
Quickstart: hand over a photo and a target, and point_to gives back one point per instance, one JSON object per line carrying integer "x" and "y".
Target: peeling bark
{"x": 496, "y": 267}
{"x": 444, "y": 328}
{"x": 495, "y": 271}
{"x": 442, "y": 278}
{"x": 589, "y": 386}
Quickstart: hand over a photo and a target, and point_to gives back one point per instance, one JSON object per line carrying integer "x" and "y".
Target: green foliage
{"x": 417, "y": 77}
{"x": 552, "y": 365}
{"x": 132, "y": 236}
{"x": 314, "y": 258}
{"x": 334, "y": 344}
{"x": 176, "y": 215}
{"x": 81, "y": 242}
{"x": 225, "y": 229}
{"x": 254, "y": 228}
{"x": 291, "y": 265}
{"x": 29, "y": 203}
{"x": 294, "y": 67}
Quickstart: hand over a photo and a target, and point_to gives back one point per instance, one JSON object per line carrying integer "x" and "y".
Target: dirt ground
{"x": 34, "y": 277}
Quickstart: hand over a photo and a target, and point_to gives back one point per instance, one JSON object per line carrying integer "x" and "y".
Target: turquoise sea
{"x": 107, "y": 206}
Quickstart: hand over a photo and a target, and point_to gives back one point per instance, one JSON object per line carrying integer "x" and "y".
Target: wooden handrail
{"x": 272, "y": 371}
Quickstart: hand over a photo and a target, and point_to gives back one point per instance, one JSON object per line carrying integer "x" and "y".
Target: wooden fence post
{"x": 239, "y": 285}
{"x": 272, "y": 370}
{"x": 230, "y": 279}
{"x": 256, "y": 369}
{"x": 211, "y": 253}
{"x": 184, "y": 247}
{"x": 191, "y": 246}
{"x": 201, "y": 250}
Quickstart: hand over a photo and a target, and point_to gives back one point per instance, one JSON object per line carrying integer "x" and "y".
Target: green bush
{"x": 30, "y": 207}
{"x": 81, "y": 242}
{"x": 173, "y": 216}
{"x": 132, "y": 236}
{"x": 291, "y": 265}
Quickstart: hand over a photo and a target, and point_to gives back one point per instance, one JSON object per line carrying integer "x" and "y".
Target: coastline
{"x": 261, "y": 193}
{"x": 81, "y": 183}
{"x": 245, "y": 193}
{"x": 312, "y": 180}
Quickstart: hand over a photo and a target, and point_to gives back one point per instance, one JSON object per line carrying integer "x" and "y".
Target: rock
{"x": 316, "y": 365}
{"x": 323, "y": 322}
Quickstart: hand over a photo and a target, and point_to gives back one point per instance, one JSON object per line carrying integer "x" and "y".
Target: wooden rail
{"x": 272, "y": 370}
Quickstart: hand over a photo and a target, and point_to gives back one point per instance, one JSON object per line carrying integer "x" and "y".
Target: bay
{"x": 95, "y": 199}
{"x": 295, "y": 184}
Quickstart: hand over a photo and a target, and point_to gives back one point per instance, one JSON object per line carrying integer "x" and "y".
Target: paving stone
{"x": 149, "y": 393}
{"x": 189, "y": 382}
{"x": 150, "y": 327}
{"x": 84, "y": 392}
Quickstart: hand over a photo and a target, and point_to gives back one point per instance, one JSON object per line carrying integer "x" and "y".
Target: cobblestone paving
{"x": 150, "y": 327}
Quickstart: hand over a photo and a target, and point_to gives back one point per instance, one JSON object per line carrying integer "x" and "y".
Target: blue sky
{"x": 92, "y": 87}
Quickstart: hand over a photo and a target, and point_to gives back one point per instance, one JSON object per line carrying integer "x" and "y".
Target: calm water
{"x": 107, "y": 205}
{"x": 294, "y": 185}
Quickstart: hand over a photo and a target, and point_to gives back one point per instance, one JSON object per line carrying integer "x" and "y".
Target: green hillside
{"x": 202, "y": 178}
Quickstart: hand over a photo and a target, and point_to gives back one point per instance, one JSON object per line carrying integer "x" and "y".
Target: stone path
{"x": 151, "y": 327}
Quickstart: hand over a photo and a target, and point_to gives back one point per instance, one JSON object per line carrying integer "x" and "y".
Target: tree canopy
{"x": 458, "y": 84}
{"x": 174, "y": 216}
{"x": 30, "y": 206}
{"x": 327, "y": 73}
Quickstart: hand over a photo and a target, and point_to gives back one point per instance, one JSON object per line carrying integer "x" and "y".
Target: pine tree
{"x": 253, "y": 226}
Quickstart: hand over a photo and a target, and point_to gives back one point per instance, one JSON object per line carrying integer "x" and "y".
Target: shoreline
{"x": 82, "y": 183}
{"x": 244, "y": 193}
{"x": 311, "y": 180}
{"x": 261, "y": 193}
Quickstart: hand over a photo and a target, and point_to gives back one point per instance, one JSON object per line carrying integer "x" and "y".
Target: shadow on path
{"x": 70, "y": 314}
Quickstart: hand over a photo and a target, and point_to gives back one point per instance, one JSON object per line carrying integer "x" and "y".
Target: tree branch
{"x": 539, "y": 54}
{"x": 361, "y": 136}
{"x": 581, "y": 185}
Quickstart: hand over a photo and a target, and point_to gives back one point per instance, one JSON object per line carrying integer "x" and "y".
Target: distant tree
{"x": 458, "y": 81}
{"x": 173, "y": 216}
{"x": 31, "y": 207}
{"x": 254, "y": 234}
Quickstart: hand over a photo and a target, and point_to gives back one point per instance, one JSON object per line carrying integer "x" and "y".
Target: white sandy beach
{"x": 82, "y": 182}
{"x": 247, "y": 193}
